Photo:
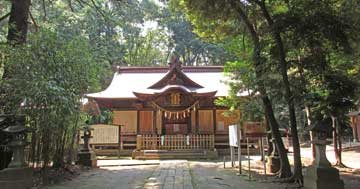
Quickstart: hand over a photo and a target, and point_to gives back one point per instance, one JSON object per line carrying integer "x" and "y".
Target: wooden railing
{"x": 174, "y": 142}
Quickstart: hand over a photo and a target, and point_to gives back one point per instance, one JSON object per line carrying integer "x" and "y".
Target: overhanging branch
{"x": 4, "y": 17}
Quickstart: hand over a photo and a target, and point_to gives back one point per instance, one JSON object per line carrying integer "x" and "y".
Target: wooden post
{"x": 197, "y": 121}
{"x": 163, "y": 129}
{"x": 263, "y": 155}
{"x": 138, "y": 122}
{"x": 232, "y": 156}
{"x": 261, "y": 149}
{"x": 154, "y": 127}
{"x": 248, "y": 152}
{"x": 224, "y": 161}
{"x": 119, "y": 140}
{"x": 239, "y": 149}
{"x": 138, "y": 142}
{"x": 214, "y": 120}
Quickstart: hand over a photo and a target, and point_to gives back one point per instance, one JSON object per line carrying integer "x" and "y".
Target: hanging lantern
{"x": 177, "y": 115}
{"x": 184, "y": 114}
{"x": 165, "y": 114}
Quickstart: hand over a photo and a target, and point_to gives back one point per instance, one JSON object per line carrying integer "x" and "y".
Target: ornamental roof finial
{"x": 175, "y": 62}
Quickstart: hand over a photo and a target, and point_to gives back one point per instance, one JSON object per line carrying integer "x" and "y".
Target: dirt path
{"x": 121, "y": 177}
{"x": 169, "y": 174}
{"x": 206, "y": 175}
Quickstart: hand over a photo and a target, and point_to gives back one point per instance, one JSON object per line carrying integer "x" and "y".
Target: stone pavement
{"x": 170, "y": 175}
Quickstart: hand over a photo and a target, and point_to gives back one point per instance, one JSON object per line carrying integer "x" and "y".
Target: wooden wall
{"x": 146, "y": 122}
{"x": 206, "y": 122}
{"x": 223, "y": 122}
{"x": 127, "y": 118}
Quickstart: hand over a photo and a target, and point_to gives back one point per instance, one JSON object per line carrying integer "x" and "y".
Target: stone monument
{"x": 321, "y": 175}
{"x": 18, "y": 174}
{"x": 86, "y": 156}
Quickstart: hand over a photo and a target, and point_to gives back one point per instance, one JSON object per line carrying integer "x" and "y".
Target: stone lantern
{"x": 321, "y": 175}
{"x": 18, "y": 142}
{"x": 86, "y": 156}
{"x": 18, "y": 174}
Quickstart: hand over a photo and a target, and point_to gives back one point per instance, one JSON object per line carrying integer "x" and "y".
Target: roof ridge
{"x": 163, "y": 69}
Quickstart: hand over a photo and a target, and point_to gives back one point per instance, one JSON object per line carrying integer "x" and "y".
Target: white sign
{"x": 162, "y": 140}
{"x": 234, "y": 138}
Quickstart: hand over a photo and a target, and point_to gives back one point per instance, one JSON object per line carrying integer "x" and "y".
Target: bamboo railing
{"x": 174, "y": 142}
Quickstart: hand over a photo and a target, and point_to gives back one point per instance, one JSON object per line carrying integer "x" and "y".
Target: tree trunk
{"x": 18, "y": 24}
{"x": 298, "y": 177}
{"x": 285, "y": 170}
{"x": 308, "y": 116}
{"x": 73, "y": 138}
{"x": 268, "y": 137}
{"x": 337, "y": 141}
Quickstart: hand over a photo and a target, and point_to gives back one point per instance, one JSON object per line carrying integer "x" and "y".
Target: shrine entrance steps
{"x": 175, "y": 154}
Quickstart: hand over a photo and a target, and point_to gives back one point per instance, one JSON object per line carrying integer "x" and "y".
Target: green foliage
{"x": 51, "y": 70}
{"x": 48, "y": 76}
{"x": 321, "y": 46}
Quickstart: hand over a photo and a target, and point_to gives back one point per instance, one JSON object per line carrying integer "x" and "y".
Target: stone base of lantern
{"x": 273, "y": 164}
{"x": 16, "y": 178}
{"x": 87, "y": 158}
{"x": 322, "y": 178}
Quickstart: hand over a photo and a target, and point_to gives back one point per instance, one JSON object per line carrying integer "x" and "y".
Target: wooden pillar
{"x": 138, "y": 122}
{"x": 163, "y": 123}
{"x": 154, "y": 128}
{"x": 196, "y": 121}
{"x": 214, "y": 120}
{"x": 189, "y": 122}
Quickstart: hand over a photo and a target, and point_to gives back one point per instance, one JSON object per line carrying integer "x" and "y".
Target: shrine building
{"x": 169, "y": 108}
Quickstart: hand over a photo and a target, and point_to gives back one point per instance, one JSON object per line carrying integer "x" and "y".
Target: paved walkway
{"x": 170, "y": 175}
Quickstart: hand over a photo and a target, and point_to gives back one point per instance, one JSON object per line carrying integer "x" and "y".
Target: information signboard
{"x": 234, "y": 137}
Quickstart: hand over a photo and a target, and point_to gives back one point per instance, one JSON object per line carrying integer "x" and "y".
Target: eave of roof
{"x": 128, "y": 80}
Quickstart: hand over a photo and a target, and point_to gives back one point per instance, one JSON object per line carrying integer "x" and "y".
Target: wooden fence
{"x": 174, "y": 142}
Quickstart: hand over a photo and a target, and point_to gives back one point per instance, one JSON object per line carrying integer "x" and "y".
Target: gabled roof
{"x": 130, "y": 80}
{"x": 175, "y": 77}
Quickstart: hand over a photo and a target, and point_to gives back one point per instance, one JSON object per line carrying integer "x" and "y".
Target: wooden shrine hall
{"x": 169, "y": 111}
